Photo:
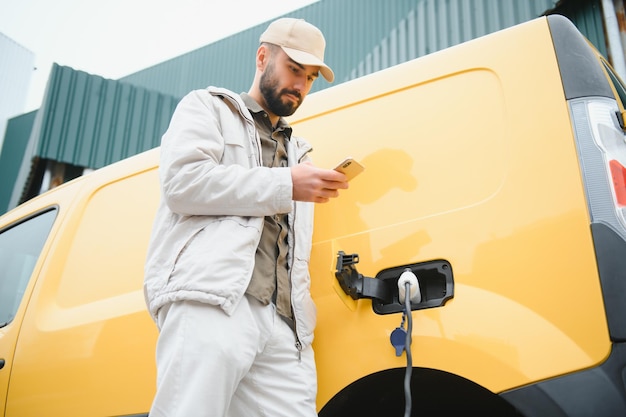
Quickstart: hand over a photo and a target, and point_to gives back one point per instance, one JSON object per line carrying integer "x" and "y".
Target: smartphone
{"x": 350, "y": 167}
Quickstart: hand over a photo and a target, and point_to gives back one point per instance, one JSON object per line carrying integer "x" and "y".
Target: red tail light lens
{"x": 618, "y": 172}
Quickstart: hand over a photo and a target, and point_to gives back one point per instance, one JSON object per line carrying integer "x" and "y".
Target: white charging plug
{"x": 414, "y": 292}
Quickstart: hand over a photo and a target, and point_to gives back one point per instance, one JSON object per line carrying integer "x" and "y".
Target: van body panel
{"x": 460, "y": 170}
{"x": 10, "y": 332}
{"x": 474, "y": 156}
{"x": 86, "y": 338}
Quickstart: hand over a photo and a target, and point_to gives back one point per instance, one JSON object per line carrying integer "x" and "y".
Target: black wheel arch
{"x": 433, "y": 392}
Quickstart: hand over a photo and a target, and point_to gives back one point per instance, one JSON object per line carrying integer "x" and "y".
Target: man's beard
{"x": 268, "y": 86}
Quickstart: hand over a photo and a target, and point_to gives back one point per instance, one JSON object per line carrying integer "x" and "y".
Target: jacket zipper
{"x": 295, "y": 327}
{"x": 291, "y": 256}
{"x": 299, "y": 347}
{"x": 298, "y": 159}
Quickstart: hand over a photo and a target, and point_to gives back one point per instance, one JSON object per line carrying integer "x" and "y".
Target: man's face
{"x": 285, "y": 83}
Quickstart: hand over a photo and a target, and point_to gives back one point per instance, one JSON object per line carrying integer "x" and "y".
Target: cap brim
{"x": 306, "y": 58}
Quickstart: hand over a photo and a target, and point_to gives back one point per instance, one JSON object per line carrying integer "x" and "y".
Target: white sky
{"x": 114, "y": 38}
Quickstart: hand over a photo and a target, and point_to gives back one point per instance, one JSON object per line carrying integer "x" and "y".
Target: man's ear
{"x": 262, "y": 57}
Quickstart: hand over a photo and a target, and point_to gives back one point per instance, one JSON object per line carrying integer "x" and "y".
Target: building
{"x": 86, "y": 121}
{"x": 16, "y": 69}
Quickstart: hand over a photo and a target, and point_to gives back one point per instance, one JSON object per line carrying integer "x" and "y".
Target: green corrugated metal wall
{"x": 354, "y": 29}
{"x": 351, "y": 28}
{"x": 89, "y": 121}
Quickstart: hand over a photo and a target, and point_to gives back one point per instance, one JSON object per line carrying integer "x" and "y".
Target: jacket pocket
{"x": 218, "y": 259}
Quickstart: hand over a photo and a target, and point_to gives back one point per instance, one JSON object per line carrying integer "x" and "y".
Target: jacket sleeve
{"x": 208, "y": 163}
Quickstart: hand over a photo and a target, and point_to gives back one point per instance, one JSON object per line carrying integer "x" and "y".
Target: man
{"x": 227, "y": 277}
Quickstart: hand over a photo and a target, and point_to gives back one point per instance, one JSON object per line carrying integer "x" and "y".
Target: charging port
{"x": 435, "y": 281}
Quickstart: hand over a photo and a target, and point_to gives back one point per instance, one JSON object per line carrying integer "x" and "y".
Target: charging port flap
{"x": 435, "y": 281}
{"x": 356, "y": 285}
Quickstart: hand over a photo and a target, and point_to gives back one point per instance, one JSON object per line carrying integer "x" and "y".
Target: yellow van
{"x": 494, "y": 179}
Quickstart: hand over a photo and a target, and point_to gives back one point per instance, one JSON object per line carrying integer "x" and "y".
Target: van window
{"x": 20, "y": 247}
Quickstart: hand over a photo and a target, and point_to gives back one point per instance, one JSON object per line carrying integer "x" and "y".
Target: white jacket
{"x": 215, "y": 194}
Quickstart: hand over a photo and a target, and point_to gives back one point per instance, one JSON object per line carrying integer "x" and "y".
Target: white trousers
{"x": 245, "y": 365}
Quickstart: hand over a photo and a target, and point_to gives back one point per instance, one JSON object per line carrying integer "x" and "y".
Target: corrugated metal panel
{"x": 90, "y": 121}
{"x": 433, "y": 25}
{"x": 228, "y": 63}
{"x": 18, "y": 131}
{"x": 351, "y": 27}
{"x": 362, "y": 36}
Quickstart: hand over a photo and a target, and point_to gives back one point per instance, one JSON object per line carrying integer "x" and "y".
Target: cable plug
{"x": 414, "y": 292}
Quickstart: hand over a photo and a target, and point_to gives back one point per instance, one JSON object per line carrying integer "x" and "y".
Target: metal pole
{"x": 616, "y": 51}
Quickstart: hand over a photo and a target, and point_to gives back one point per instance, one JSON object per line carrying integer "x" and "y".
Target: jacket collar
{"x": 255, "y": 108}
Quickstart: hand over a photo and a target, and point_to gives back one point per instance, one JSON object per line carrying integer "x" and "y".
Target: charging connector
{"x": 415, "y": 294}
{"x": 409, "y": 293}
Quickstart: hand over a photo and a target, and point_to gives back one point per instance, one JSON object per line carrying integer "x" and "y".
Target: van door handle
{"x": 1, "y": 363}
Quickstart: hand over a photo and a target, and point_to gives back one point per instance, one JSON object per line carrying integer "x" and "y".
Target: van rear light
{"x": 618, "y": 172}
{"x": 602, "y": 148}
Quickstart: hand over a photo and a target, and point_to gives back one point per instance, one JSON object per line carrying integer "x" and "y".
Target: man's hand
{"x": 316, "y": 185}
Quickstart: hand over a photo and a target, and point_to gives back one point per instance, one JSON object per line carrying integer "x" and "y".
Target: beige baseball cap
{"x": 301, "y": 41}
